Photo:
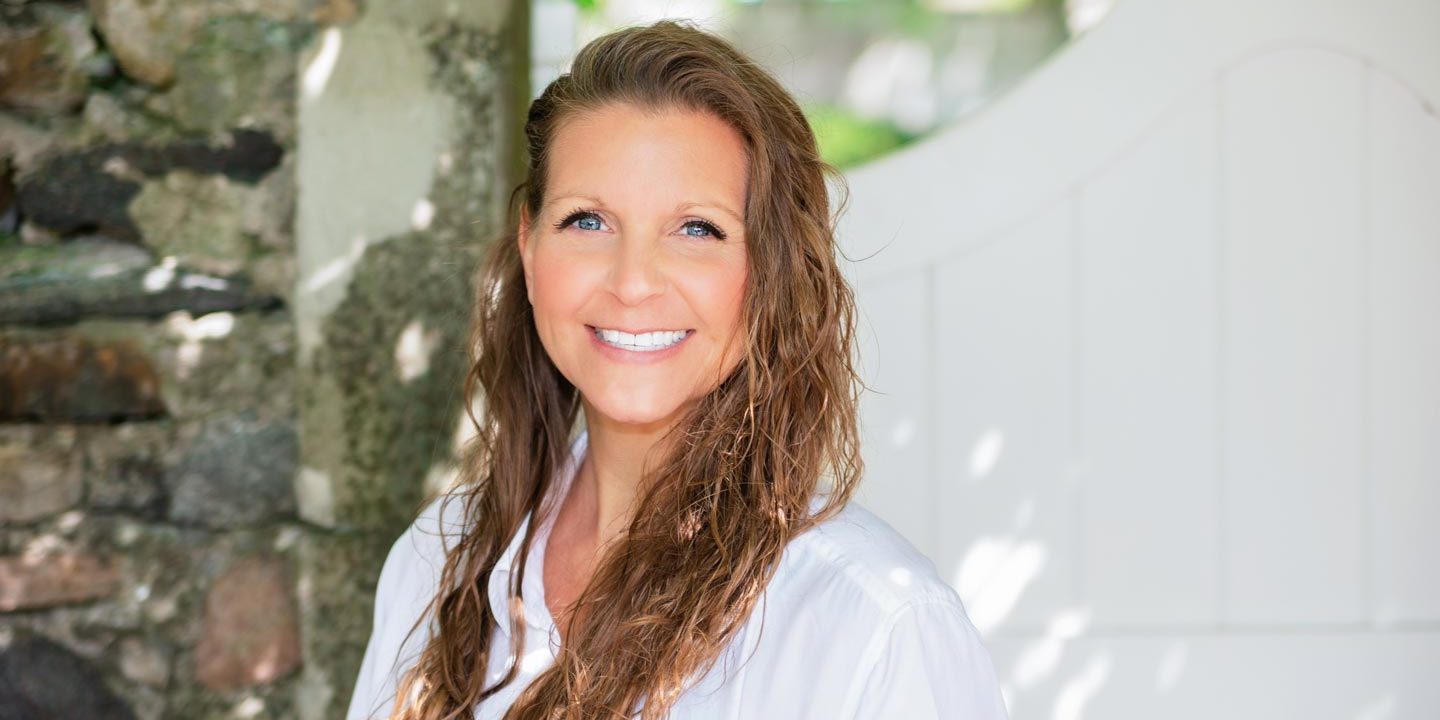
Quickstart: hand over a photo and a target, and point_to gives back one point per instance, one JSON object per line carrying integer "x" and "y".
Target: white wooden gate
{"x": 1155, "y": 340}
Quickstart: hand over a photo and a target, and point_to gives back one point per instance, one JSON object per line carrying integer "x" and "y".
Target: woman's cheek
{"x": 563, "y": 277}
{"x": 718, "y": 286}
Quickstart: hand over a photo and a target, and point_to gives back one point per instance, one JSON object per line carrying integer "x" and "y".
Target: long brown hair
{"x": 747, "y": 459}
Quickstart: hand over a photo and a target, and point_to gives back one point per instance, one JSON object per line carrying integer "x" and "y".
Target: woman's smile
{"x": 636, "y": 260}
{"x": 638, "y": 347}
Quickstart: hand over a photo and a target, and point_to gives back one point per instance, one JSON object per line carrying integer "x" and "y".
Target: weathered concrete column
{"x": 409, "y": 123}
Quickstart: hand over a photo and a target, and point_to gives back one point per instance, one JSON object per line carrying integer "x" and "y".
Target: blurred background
{"x": 1151, "y": 321}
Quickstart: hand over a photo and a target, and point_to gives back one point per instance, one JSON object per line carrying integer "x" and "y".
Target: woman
{"x": 689, "y": 550}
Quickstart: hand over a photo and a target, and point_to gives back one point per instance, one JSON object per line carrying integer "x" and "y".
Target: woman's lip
{"x": 640, "y": 332}
{"x": 634, "y": 357}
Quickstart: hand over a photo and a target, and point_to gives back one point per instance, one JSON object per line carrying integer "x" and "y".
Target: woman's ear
{"x": 522, "y": 237}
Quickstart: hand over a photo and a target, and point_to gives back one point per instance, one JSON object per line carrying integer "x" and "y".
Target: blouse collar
{"x": 537, "y": 615}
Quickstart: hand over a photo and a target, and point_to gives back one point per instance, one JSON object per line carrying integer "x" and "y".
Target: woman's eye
{"x": 584, "y": 220}
{"x": 587, "y": 220}
{"x": 706, "y": 230}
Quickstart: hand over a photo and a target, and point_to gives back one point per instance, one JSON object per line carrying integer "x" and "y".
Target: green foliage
{"x": 847, "y": 140}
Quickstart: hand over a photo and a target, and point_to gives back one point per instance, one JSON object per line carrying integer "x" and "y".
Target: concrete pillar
{"x": 408, "y": 145}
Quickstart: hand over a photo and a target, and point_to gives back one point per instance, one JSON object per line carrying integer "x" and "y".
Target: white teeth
{"x": 643, "y": 342}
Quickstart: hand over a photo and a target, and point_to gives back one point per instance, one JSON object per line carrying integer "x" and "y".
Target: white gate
{"x": 1156, "y": 345}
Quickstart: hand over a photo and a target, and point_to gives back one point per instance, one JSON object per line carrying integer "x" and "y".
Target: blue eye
{"x": 583, "y": 219}
{"x": 709, "y": 229}
{"x": 588, "y": 220}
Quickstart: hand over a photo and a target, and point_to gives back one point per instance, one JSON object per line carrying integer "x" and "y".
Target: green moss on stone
{"x": 393, "y": 428}
{"x": 344, "y": 569}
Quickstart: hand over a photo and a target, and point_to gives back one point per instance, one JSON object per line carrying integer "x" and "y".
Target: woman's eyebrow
{"x": 682, "y": 207}
{"x": 579, "y": 196}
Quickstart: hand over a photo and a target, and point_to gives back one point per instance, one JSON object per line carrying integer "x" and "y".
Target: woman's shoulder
{"x": 441, "y": 522}
{"x": 858, "y": 556}
{"x": 881, "y": 632}
{"x": 417, "y": 557}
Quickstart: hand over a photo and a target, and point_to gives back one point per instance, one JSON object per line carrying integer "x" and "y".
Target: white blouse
{"x": 855, "y": 623}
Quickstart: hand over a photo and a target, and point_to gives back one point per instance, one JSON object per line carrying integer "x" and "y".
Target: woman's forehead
{"x": 620, "y": 154}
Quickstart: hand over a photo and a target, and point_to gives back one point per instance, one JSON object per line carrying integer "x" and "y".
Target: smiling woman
{"x": 639, "y": 275}
{"x": 689, "y": 550}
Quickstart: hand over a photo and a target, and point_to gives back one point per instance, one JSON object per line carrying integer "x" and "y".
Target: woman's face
{"x": 636, "y": 264}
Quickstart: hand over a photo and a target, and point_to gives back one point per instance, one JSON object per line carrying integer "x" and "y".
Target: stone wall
{"x": 236, "y": 247}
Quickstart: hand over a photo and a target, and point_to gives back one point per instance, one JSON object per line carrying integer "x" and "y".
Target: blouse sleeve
{"x": 927, "y": 661}
{"x": 373, "y": 694}
{"x": 408, "y": 581}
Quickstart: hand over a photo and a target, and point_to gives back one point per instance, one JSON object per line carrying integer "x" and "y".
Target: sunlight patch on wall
{"x": 1077, "y": 693}
{"x": 422, "y": 214}
{"x": 986, "y": 453}
{"x": 337, "y": 268}
{"x": 1171, "y": 667}
{"x": 316, "y": 74}
{"x": 158, "y": 278}
{"x": 193, "y": 332}
{"x": 413, "y": 350}
{"x": 1382, "y": 709}
{"x": 903, "y": 433}
{"x": 1039, "y": 659}
{"x": 993, "y": 574}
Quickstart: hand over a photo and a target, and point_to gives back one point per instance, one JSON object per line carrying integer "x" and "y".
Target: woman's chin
{"x": 632, "y": 411}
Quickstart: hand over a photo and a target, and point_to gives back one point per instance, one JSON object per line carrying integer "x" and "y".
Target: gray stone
{"x": 125, "y": 468}
{"x": 148, "y": 37}
{"x": 145, "y": 662}
{"x": 269, "y": 211}
{"x": 145, "y": 36}
{"x": 321, "y": 11}
{"x": 239, "y": 72}
{"x": 196, "y": 219}
{"x": 83, "y": 257}
{"x": 332, "y": 12}
{"x": 161, "y": 567}
{"x": 78, "y": 192}
{"x": 117, "y": 117}
{"x": 106, "y": 116}
{"x": 239, "y": 472}
{"x": 146, "y": 702}
{"x": 132, "y": 483}
{"x": 273, "y": 275}
{"x": 46, "y": 58}
{"x": 93, "y": 276}
{"x": 224, "y": 362}
{"x": 90, "y": 190}
{"x": 38, "y": 478}
{"x": 41, "y": 679}
{"x": 22, "y": 142}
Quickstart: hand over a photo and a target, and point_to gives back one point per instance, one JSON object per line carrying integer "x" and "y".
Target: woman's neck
{"x": 601, "y": 499}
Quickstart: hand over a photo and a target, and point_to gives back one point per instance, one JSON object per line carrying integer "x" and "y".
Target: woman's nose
{"x": 636, "y": 275}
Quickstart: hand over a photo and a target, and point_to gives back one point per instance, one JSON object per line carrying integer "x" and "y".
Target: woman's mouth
{"x": 643, "y": 342}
